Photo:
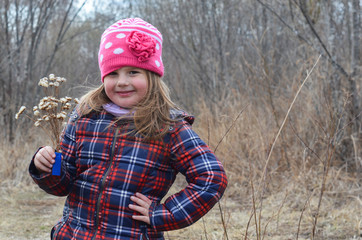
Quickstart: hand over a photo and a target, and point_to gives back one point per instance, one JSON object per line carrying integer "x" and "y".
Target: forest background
{"x": 275, "y": 87}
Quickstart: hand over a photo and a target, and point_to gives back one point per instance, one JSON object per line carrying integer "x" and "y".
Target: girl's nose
{"x": 122, "y": 81}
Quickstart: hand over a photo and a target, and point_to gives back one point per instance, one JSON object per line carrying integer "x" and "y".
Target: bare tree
{"x": 25, "y": 26}
{"x": 355, "y": 76}
{"x": 204, "y": 37}
{"x": 327, "y": 37}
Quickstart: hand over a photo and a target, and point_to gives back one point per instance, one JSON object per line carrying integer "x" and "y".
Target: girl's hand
{"x": 44, "y": 159}
{"x": 142, "y": 205}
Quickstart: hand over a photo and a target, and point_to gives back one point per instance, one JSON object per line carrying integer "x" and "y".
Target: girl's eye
{"x": 113, "y": 73}
{"x": 133, "y": 72}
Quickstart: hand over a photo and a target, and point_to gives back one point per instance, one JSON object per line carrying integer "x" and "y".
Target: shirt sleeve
{"x": 59, "y": 185}
{"x": 206, "y": 182}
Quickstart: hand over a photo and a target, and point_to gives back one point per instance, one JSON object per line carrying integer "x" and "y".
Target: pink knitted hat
{"x": 130, "y": 42}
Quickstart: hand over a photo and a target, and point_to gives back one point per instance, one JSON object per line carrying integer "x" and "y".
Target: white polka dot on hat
{"x": 130, "y": 42}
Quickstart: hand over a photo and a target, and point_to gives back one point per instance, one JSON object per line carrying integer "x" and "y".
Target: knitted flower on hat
{"x": 141, "y": 45}
{"x": 130, "y": 42}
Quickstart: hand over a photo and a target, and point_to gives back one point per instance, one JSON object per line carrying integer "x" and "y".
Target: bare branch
{"x": 63, "y": 30}
{"x": 329, "y": 57}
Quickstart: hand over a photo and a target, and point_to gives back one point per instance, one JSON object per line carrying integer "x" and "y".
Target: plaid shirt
{"x": 101, "y": 170}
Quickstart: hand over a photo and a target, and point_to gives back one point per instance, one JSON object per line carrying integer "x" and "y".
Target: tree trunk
{"x": 355, "y": 65}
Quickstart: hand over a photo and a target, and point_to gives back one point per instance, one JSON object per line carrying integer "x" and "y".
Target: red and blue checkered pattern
{"x": 91, "y": 178}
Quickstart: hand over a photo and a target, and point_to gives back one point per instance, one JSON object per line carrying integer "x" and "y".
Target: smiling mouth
{"x": 125, "y": 93}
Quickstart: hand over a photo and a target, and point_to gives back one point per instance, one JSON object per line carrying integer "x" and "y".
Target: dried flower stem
{"x": 52, "y": 111}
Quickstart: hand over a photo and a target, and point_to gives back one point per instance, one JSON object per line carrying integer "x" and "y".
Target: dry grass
{"x": 308, "y": 191}
{"x": 30, "y": 214}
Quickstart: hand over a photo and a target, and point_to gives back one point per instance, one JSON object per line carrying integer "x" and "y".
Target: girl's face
{"x": 126, "y": 86}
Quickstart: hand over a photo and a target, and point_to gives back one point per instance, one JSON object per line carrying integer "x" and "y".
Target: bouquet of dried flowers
{"x": 52, "y": 111}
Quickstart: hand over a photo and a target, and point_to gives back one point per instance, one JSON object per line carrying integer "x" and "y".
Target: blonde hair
{"x": 151, "y": 116}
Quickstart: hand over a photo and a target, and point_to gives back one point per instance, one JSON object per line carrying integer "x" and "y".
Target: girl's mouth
{"x": 125, "y": 93}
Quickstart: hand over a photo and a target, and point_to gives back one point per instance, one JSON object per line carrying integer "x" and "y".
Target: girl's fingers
{"x": 41, "y": 166}
{"x": 44, "y": 159}
{"x": 144, "y": 213}
{"x": 142, "y": 205}
{"x": 141, "y": 199}
{"x": 48, "y": 153}
{"x": 141, "y": 218}
{"x": 139, "y": 209}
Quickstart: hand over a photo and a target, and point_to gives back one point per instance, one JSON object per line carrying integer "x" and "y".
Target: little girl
{"x": 123, "y": 147}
